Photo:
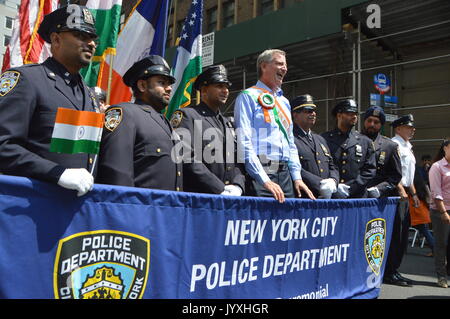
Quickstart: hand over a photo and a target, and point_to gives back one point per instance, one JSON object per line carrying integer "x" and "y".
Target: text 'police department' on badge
{"x": 176, "y": 119}
{"x": 375, "y": 243}
{"x": 8, "y": 81}
{"x": 113, "y": 117}
{"x": 102, "y": 264}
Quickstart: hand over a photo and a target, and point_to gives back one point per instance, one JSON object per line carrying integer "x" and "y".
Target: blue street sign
{"x": 382, "y": 83}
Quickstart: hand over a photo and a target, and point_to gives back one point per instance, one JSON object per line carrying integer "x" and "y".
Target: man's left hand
{"x": 299, "y": 186}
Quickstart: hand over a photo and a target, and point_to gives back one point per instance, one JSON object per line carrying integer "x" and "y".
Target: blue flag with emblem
{"x": 188, "y": 60}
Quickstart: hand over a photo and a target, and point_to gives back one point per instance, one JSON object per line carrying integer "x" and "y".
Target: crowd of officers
{"x": 282, "y": 157}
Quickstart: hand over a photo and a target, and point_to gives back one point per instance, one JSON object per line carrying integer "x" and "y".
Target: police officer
{"x": 137, "y": 139}
{"x": 213, "y": 168}
{"x": 389, "y": 174}
{"x": 404, "y": 131}
{"x": 31, "y": 94}
{"x": 389, "y": 169}
{"x": 353, "y": 153}
{"x": 318, "y": 170}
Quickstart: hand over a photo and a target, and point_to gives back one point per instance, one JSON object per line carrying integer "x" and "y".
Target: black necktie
{"x": 166, "y": 121}
{"x": 221, "y": 121}
{"x": 76, "y": 89}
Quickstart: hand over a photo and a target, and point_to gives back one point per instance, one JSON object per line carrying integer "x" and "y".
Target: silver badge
{"x": 8, "y": 81}
{"x": 358, "y": 150}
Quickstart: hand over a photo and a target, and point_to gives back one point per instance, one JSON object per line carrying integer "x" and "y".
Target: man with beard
{"x": 389, "y": 169}
{"x": 137, "y": 141}
{"x": 353, "y": 153}
{"x": 264, "y": 124}
{"x": 211, "y": 166}
{"x": 318, "y": 170}
{"x": 30, "y": 96}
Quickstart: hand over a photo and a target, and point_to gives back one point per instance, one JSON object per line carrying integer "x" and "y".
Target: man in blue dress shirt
{"x": 264, "y": 133}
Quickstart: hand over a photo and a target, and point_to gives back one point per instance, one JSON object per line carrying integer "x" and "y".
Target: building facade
{"x": 8, "y": 13}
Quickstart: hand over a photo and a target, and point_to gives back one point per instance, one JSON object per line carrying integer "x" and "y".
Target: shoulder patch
{"x": 8, "y": 81}
{"x": 113, "y": 117}
{"x": 176, "y": 118}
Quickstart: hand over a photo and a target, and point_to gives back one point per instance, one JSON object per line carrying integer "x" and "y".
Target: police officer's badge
{"x": 176, "y": 119}
{"x": 113, "y": 117}
{"x": 101, "y": 264}
{"x": 88, "y": 18}
{"x": 8, "y": 81}
{"x": 375, "y": 243}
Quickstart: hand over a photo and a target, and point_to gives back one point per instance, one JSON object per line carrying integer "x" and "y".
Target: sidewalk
{"x": 416, "y": 266}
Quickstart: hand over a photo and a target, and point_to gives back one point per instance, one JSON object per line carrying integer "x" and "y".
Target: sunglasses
{"x": 83, "y": 36}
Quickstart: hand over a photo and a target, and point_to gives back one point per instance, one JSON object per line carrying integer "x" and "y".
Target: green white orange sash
{"x": 270, "y": 102}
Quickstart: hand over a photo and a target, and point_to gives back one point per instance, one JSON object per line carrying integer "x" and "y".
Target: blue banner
{"x": 123, "y": 242}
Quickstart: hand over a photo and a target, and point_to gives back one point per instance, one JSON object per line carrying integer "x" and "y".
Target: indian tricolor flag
{"x": 77, "y": 132}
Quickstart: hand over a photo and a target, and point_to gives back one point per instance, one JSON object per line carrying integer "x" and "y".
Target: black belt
{"x": 265, "y": 162}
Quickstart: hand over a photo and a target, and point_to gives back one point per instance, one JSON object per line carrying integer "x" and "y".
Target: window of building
{"x": 228, "y": 13}
{"x": 6, "y": 40}
{"x": 9, "y": 23}
{"x": 266, "y": 6}
{"x": 211, "y": 16}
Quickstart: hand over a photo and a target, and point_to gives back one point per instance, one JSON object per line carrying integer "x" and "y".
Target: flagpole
{"x": 108, "y": 96}
{"x": 93, "y": 164}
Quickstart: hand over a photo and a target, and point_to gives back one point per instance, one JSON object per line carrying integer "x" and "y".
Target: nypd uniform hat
{"x": 145, "y": 68}
{"x": 377, "y": 112}
{"x": 303, "y": 102}
{"x": 347, "y": 105}
{"x": 71, "y": 17}
{"x": 214, "y": 74}
{"x": 404, "y": 120}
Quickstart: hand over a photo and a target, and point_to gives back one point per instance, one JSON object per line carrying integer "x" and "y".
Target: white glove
{"x": 327, "y": 188}
{"x": 343, "y": 190}
{"x": 78, "y": 179}
{"x": 373, "y": 192}
{"x": 232, "y": 190}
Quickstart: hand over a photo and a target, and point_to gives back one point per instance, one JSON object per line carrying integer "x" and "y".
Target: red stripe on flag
{"x": 36, "y": 42}
{"x": 6, "y": 59}
{"x": 24, "y": 14}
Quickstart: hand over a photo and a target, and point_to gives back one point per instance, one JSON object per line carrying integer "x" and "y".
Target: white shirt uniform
{"x": 408, "y": 160}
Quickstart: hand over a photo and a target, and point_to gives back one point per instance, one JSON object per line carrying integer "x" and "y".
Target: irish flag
{"x": 107, "y": 22}
{"x": 77, "y": 132}
{"x": 144, "y": 33}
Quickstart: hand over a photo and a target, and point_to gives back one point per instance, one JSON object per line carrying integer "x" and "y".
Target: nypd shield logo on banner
{"x": 375, "y": 243}
{"x": 103, "y": 264}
